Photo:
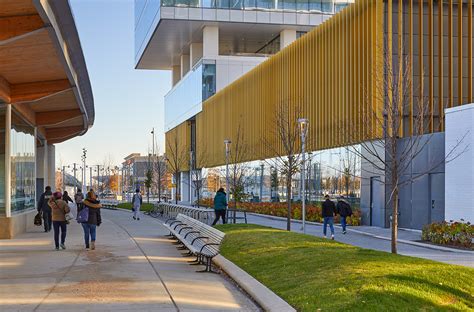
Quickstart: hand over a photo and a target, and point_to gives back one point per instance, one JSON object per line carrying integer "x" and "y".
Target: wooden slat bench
{"x": 202, "y": 240}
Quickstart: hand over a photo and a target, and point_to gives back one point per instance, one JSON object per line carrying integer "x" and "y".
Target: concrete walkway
{"x": 374, "y": 238}
{"x": 134, "y": 268}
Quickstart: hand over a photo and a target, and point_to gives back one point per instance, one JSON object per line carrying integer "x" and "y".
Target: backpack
{"x": 83, "y": 215}
{"x": 347, "y": 209}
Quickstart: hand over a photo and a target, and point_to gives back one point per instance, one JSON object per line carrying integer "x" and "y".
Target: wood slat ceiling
{"x": 16, "y": 7}
{"x": 19, "y": 60}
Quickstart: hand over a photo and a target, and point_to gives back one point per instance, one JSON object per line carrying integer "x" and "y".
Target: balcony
{"x": 180, "y": 19}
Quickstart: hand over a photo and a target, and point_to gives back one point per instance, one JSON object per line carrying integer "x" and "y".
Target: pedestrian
{"x": 220, "y": 205}
{"x": 66, "y": 197}
{"x": 94, "y": 220}
{"x": 328, "y": 211}
{"x": 78, "y": 198}
{"x": 137, "y": 202}
{"x": 344, "y": 210}
{"x": 44, "y": 208}
{"x": 59, "y": 210}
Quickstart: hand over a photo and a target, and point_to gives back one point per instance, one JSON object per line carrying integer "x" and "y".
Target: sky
{"x": 128, "y": 102}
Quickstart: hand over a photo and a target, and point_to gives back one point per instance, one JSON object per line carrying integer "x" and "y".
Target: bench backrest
{"x": 214, "y": 235}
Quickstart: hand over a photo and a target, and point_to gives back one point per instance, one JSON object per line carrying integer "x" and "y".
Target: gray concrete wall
{"x": 421, "y": 196}
{"x": 372, "y": 204}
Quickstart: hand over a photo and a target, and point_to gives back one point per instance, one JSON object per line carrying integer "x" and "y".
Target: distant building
{"x": 134, "y": 173}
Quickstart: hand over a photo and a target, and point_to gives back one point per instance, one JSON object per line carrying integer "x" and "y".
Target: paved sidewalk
{"x": 135, "y": 268}
{"x": 370, "y": 242}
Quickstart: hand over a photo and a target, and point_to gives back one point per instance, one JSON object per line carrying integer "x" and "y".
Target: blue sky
{"x": 128, "y": 102}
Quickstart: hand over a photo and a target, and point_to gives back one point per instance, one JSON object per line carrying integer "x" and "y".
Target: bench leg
{"x": 197, "y": 261}
{"x": 208, "y": 266}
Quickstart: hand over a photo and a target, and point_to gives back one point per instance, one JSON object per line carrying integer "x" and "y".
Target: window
{"x": 23, "y": 175}
{"x": 208, "y": 81}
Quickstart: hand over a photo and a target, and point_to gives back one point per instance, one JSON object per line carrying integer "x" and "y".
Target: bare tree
{"x": 386, "y": 154}
{"x": 285, "y": 144}
{"x": 349, "y": 167}
{"x": 239, "y": 170}
{"x": 198, "y": 174}
{"x": 176, "y": 156}
{"x": 159, "y": 169}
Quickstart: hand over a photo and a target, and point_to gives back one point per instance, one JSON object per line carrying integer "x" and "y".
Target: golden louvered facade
{"x": 178, "y": 145}
{"x": 330, "y": 73}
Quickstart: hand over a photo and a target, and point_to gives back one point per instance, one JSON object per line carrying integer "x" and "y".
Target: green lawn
{"x": 311, "y": 273}
{"x": 145, "y": 206}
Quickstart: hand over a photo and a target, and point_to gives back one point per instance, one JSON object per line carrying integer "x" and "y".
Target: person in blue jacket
{"x": 220, "y": 205}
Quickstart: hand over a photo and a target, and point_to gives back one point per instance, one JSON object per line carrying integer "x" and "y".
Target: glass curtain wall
{"x": 324, "y": 6}
{"x": 2, "y": 162}
{"x": 23, "y": 184}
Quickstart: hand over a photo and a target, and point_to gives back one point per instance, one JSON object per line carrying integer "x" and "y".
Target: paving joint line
{"x": 59, "y": 281}
{"x": 150, "y": 263}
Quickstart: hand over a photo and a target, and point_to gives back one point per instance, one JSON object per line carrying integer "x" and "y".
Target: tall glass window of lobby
{"x": 23, "y": 184}
{"x": 2, "y": 162}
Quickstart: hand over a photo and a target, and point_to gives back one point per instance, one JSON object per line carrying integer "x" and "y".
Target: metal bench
{"x": 200, "y": 239}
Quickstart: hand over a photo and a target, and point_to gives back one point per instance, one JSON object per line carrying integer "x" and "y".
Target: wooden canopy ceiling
{"x": 33, "y": 75}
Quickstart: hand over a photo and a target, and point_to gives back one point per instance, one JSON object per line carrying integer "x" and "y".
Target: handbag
{"x": 83, "y": 215}
{"x": 38, "y": 219}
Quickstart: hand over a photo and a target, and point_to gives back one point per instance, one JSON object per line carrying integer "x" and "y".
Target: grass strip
{"x": 315, "y": 274}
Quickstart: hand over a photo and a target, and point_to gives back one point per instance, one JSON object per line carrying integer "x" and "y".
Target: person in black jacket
{"x": 344, "y": 210}
{"x": 66, "y": 197}
{"x": 93, "y": 221}
{"x": 44, "y": 208}
{"x": 328, "y": 211}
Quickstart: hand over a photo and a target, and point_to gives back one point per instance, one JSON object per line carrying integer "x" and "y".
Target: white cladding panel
{"x": 459, "y": 178}
{"x": 230, "y": 68}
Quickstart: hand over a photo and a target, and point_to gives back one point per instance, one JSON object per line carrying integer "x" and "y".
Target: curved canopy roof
{"x": 43, "y": 73}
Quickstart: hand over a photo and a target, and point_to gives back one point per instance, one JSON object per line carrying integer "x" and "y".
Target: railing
{"x": 313, "y": 6}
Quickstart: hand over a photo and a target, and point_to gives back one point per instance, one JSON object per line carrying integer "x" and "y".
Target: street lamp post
{"x": 84, "y": 157}
{"x": 303, "y": 123}
{"x": 227, "y": 151}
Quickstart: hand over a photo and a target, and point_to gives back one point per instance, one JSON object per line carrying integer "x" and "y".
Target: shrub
{"x": 145, "y": 206}
{"x": 449, "y": 233}
{"x": 279, "y": 209}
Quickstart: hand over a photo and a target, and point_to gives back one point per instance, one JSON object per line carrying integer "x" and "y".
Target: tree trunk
{"x": 177, "y": 190}
{"x": 395, "y": 221}
{"x": 159, "y": 188}
{"x": 288, "y": 202}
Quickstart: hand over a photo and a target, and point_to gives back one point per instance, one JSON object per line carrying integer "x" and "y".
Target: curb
{"x": 403, "y": 241}
{"x": 266, "y": 298}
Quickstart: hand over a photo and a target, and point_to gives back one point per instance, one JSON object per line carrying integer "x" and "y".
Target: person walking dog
{"x": 137, "y": 202}
{"x": 220, "y": 205}
{"x": 59, "y": 209}
{"x": 44, "y": 208}
{"x": 90, "y": 210}
{"x": 344, "y": 210}
{"x": 328, "y": 211}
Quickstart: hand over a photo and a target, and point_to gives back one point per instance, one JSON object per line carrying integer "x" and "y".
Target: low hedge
{"x": 279, "y": 209}
{"x": 145, "y": 206}
{"x": 449, "y": 233}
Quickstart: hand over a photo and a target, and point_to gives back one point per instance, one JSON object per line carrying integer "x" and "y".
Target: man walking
{"x": 344, "y": 210}
{"x": 137, "y": 201}
{"x": 220, "y": 205}
{"x": 44, "y": 208}
{"x": 328, "y": 211}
